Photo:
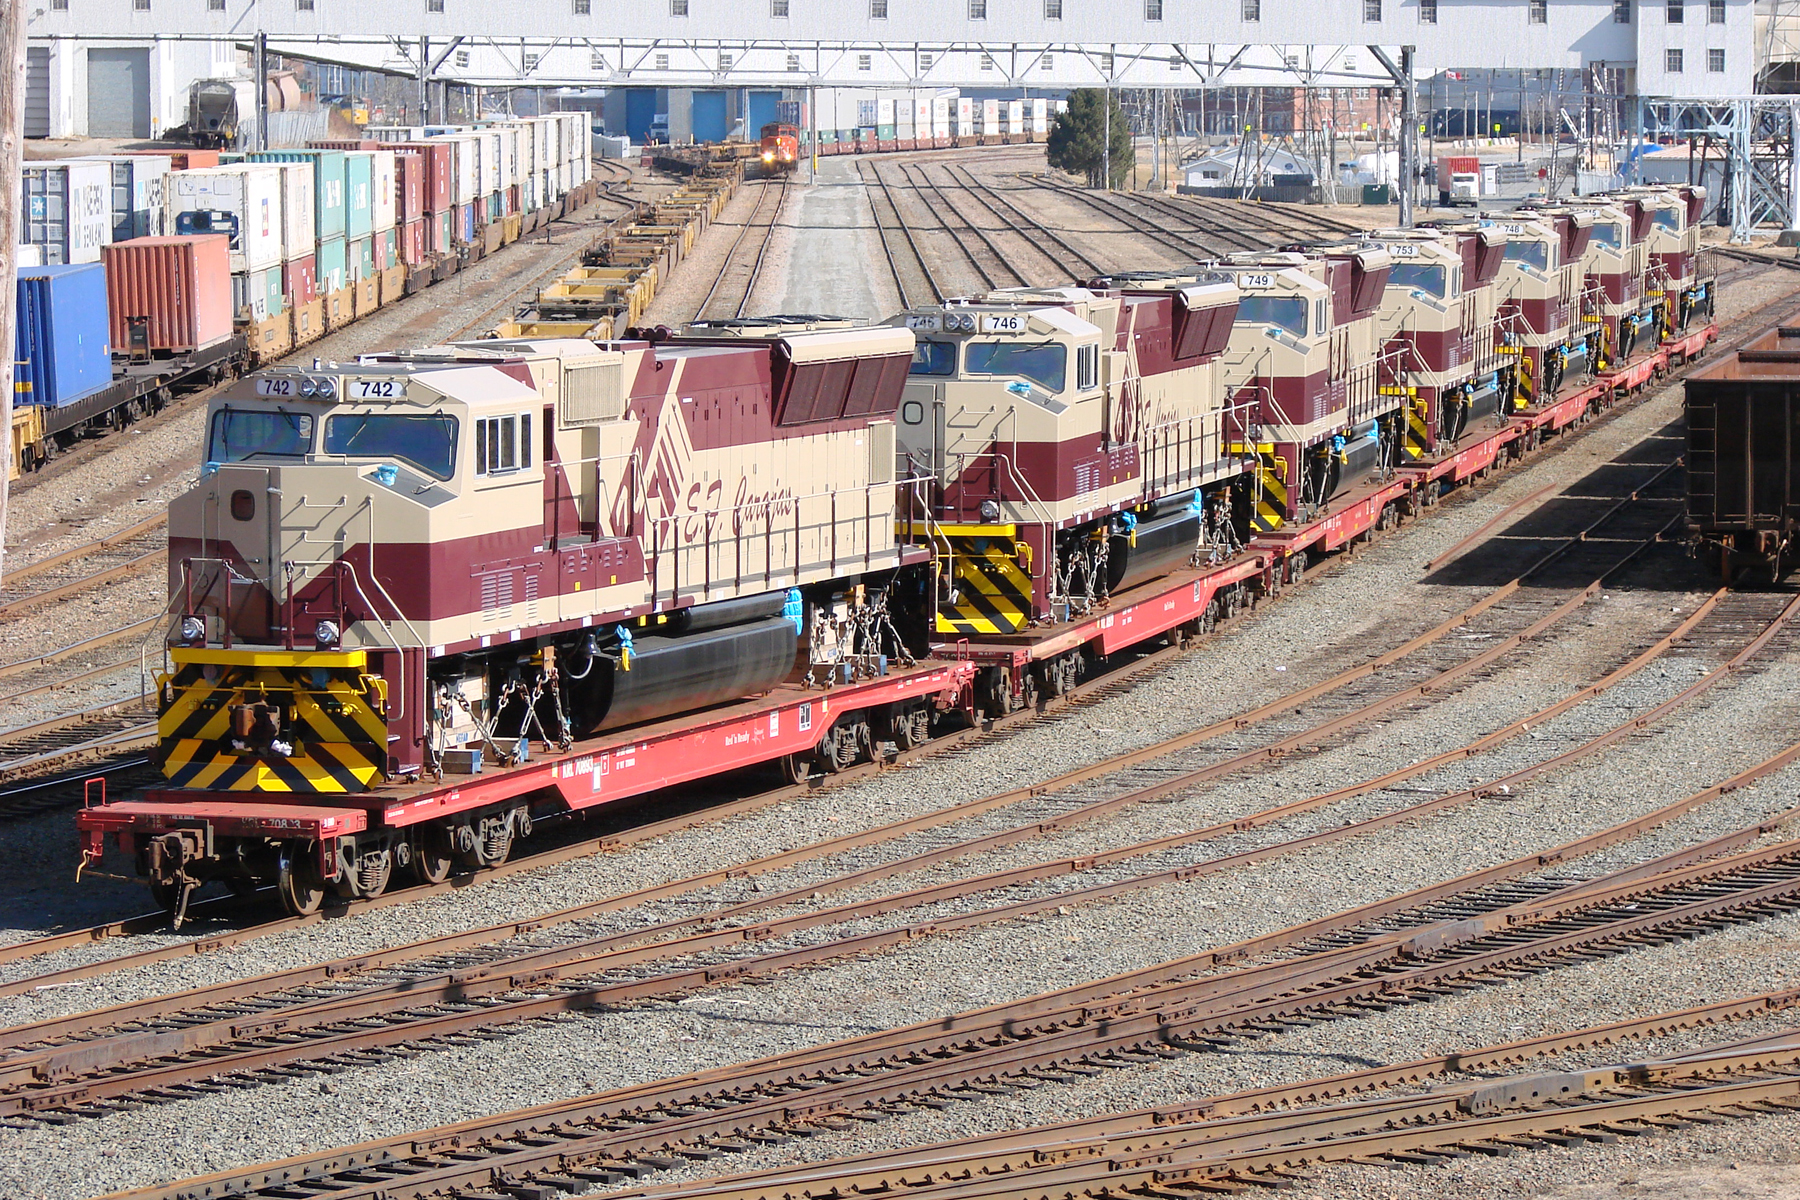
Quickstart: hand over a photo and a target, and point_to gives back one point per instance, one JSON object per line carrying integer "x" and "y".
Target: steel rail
{"x": 961, "y": 243}
{"x": 937, "y": 293}
{"x": 537, "y": 969}
{"x": 731, "y": 255}
{"x": 74, "y": 648}
{"x": 877, "y": 1073}
{"x": 37, "y": 566}
{"x": 122, "y": 570}
{"x": 1015, "y": 1149}
{"x": 991, "y": 196}
{"x": 981, "y": 234}
{"x": 1136, "y": 224}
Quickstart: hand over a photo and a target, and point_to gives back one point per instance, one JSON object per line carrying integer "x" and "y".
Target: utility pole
{"x": 12, "y": 151}
{"x": 424, "y": 81}
{"x": 261, "y": 43}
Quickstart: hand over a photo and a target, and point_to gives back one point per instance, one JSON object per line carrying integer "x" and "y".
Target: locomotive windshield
{"x": 1418, "y": 276}
{"x": 426, "y": 441}
{"x": 246, "y": 433}
{"x": 933, "y": 358}
{"x": 1044, "y": 363}
{"x": 1532, "y": 254}
{"x": 1606, "y": 234}
{"x": 1289, "y": 312}
{"x": 1669, "y": 219}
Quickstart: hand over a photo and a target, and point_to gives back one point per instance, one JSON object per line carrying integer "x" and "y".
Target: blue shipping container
{"x": 63, "y": 347}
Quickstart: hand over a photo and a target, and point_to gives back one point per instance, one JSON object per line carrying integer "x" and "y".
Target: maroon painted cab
{"x": 177, "y": 290}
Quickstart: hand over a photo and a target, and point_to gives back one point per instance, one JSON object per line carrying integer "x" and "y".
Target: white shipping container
{"x": 1040, "y": 116}
{"x": 549, "y": 142}
{"x": 509, "y": 154}
{"x": 67, "y": 209}
{"x": 490, "y": 162}
{"x": 965, "y": 116}
{"x": 1015, "y": 116}
{"x": 28, "y": 255}
{"x": 298, "y": 197}
{"x": 137, "y": 187}
{"x": 248, "y": 195}
{"x": 990, "y": 116}
{"x": 940, "y": 117}
{"x": 392, "y": 133}
{"x": 581, "y": 132}
{"x": 383, "y": 181}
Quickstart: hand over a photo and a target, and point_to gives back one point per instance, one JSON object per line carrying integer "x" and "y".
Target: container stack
{"x": 67, "y": 210}
{"x": 168, "y": 295}
{"x": 62, "y": 353}
{"x": 243, "y": 202}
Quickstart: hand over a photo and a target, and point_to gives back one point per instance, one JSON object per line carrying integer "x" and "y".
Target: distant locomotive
{"x": 780, "y": 147}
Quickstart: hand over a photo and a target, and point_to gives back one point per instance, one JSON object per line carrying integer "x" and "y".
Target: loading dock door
{"x": 37, "y": 91}
{"x": 118, "y": 93}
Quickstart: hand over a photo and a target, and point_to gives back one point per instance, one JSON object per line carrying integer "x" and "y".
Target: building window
{"x": 878, "y": 10}
{"x": 678, "y": 8}
{"x": 778, "y": 8}
{"x": 925, "y": 61}
{"x": 662, "y": 60}
{"x": 1252, "y": 10}
{"x": 211, "y": 5}
{"x": 502, "y": 444}
{"x": 1675, "y": 11}
{"x": 1428, "y": 12}
{"x": 1052, "y": 10}
{"x": 1621, "y": 12}
{"x": 1106, "y": 65}
{"x": 63, "y": 5}
{"x": 584, "y": 8}
{"x": 140, "y": 5}
{"x": 303, "y": 5}
{"x": 865, "y": 62}
{"x": 462, "y": 60}
{"x": 1672, "y": 61}
{"x": 1371, "y": 10}
{"x": 1540, "y": 12}
{"x": 597, "y": 62}
{"x": 1048, "y": 62}
{"x": 1152, "y": 10}
{"x": 977, "y": 10}
{"x": 1715, "y": 61}
{"x": 1715, "y": 12}
{"x": 725, "y": 59}
{"x": 987, "y": 62}
{"x": 793, "y": 62}
{"x": 531, "y": 62}
{"x": 434, "y": 6}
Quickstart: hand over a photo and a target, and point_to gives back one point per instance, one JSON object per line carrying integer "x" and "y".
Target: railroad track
{"x": 730, "y": 293}
{"x": 1458, "y": 936}
{"x": 447, "y": 987}
{"x": 915, "y": 283}
{"x": 971, "y": 236}
{"x": 1262, "y": 1135}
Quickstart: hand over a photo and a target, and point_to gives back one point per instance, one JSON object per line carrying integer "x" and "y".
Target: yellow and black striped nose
{"x": 333, "y": 734}
{"x": 993, "y": 587}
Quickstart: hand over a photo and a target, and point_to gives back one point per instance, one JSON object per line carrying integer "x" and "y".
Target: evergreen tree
{"x": 1078, "y": 136}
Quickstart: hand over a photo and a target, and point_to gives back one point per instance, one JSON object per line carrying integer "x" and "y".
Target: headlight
{"x": 193, "y": 630}
{"x": 327, "y": 388}
{"x": 990, "y": 511}
{"x": 325, "y": 634}
{"x": 309, "y": 387}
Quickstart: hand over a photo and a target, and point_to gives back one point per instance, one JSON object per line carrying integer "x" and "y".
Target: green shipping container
{"x": 362, "y": 259}
{"x": 272, "y": 288}
{"x": 328, "y": 182}
{"x": 387, "y": 250}
{"x": 1377, "y": 193}
{"x": 332, "y": 271}
{"x": 359, "y": 194}
{"x": 494, "y": 207}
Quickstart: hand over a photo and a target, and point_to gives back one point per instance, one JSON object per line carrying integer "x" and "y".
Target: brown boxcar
{"x": 1743, "y": 494}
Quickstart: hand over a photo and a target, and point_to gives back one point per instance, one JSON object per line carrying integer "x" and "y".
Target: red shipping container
{"x": 184, "y": 160}
{"x": 412, "y": 242}
{"x": 436, "y": 184}
{"x": 512, "y": 200}
{"x": 409, "y": 187}
{"x": 180, "y": 287}
{"x": 300, "y": 280}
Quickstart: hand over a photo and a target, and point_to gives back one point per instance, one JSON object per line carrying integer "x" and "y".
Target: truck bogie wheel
{"x": 432, "y": 857}
{"x": 302, "y": 891}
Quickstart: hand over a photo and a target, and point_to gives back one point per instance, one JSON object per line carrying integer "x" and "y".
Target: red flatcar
{"x": 780, "y": 147}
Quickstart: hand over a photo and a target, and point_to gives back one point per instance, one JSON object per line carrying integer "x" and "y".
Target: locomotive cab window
{"x": 255, "y": 433}
{"x": 502, "y": 444}
{"x": 1606, "y": 234}
{"x": 1669, "y": 219}
{"x": 1419, "y": 277}
{"x": 425, "y": 441}
{"x": 933, "y": 358}
{"x": 1044, "y": 363}
{"x": 1287, "y": 312}
{"x": 1532, "y": 254}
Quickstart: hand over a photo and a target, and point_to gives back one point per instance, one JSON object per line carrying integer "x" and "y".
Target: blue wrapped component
{"x": 625, "y": 646}
{"x": 63, "y": 343}
{"x": 794, "y": 609}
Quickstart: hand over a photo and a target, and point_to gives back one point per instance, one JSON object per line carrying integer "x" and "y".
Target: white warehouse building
{"x": 138, "y": 75}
